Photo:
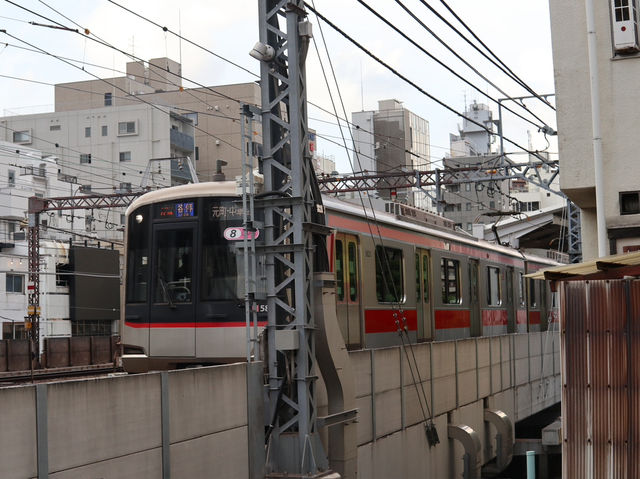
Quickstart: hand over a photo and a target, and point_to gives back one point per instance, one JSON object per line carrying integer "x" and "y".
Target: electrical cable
{"x": 504, "y": 68}
{"x": 414, "y": 85}
{"x": 445, "y": 66}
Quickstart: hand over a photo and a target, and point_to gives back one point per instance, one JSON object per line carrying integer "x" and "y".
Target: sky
{"x": 517, "y": 31}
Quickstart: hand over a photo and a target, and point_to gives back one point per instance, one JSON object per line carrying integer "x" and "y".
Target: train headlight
{"x": 139, "y": 219}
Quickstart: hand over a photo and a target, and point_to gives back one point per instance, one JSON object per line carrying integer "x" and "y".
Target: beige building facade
{"x": 618, "y": 67}
{"x": 215, "y": 111}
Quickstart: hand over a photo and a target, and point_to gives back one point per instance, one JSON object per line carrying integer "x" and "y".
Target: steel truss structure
{"x": 290, "y": 200}
{"x": 436, "y": 179}
{"x": 36, "y": 207}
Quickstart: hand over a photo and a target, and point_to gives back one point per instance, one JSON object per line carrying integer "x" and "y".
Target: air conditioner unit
{"x": 624, "y": 21}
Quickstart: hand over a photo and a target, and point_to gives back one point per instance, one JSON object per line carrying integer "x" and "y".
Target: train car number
{"x": 235, "y": 234}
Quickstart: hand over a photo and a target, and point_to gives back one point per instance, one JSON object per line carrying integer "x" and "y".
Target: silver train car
{"x": 184, "y": 283}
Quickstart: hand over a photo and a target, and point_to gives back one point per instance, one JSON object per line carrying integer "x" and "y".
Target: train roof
{"x": 191, "y": 190}
{"x": 344, "y": 207}
{"x": 230, "y": 188}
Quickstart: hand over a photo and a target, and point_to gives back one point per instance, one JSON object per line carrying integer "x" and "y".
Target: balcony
{"x": 181, "y": 141}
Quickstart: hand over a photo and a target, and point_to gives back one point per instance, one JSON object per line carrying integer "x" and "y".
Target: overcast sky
{"x": 517, "y": 31}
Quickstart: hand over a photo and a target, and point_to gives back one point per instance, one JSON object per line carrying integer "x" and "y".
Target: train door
{"x": 173, "y": 295}
{"x": 474, "y": 298}
{"x": 423, "y": 294}
{"x": 511, "y": 302}
{"x": 347, "y": 269}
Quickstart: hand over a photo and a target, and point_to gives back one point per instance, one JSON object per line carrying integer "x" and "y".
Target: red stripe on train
{"x": 494, "y": 317}
{"x": 521, "y": 316}
{"x": 233, "y": 324}
{"x": 451, "y": 319}
{"x": 383, "y": 321}
{"x": 534, "y": 317}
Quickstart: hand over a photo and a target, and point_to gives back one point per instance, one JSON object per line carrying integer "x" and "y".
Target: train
{"x": 184, "y": 278}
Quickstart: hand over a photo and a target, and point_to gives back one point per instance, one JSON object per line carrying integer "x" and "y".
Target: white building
{"x": 107, "y": 149}
{"x": 472, "y": 139}
{"x": 25, "y": 172}
{"x": 617, "y": 66}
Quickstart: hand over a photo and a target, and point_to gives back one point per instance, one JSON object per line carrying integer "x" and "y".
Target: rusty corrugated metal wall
{"x": 600, "y": 322}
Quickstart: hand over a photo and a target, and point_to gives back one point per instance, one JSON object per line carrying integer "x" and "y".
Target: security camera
{"x": 262, "y": 52}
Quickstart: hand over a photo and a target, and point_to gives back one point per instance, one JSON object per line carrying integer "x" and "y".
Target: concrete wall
{"x": 518, "y": 374}
{"x": 209, "y": 421}
{"x": 619, "y": 102}
{"x": 191, "y": 423}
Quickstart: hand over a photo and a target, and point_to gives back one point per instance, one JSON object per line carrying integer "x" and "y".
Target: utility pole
{"x": 290, "y": 201}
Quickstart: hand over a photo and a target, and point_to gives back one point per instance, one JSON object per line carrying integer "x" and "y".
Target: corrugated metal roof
{"x": 614, "y": 266}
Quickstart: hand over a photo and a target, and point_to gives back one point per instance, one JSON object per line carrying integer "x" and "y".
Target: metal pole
{"x": 531, "y": 465}
{"x": 245, "y": 227}
{"x": 595, "y": 124}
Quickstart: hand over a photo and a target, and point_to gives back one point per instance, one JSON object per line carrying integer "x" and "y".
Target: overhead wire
{"x": 445, "y": 66}
{"x": 510, "y": 72}
{"x": 413, "y": 84}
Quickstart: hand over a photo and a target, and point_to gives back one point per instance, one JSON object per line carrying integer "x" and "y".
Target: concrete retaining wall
{"x": 191, "y": 423}
{"x": 518, "y": 374}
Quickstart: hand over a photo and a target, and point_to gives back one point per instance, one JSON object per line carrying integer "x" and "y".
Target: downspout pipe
{"x": 472, "y": 449}
{"x": 598, "y": 168}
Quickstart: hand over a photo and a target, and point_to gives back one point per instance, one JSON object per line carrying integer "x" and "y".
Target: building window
{"x": 454, "y": 188}
{"x": 12, "y": 178}
{"x": 467, "y": 187}
{"x": 108, "y": 99}
{"x": 630, "y": 203}
{"x": 22, "y": 137}
{"x": 123, "y": 219}
{"x": 494, "y": 288}
{"x": 15, "y": 283}
{"x": 125, "y": 156}
{"x": 125, "y": 186}
{"x": 105, "y": 130}
{"x": 389, "y": 275}
{"x": 85, "y": 158}
{"x": 13, "y": 330}
{"x": 197, "y": 153}
{"x": 193, "y": 117}
{"x": 469, "y": 226}
{"x": 85, "y": 188}
{"x": 450, "y": 279}
{"x": 468, "y": 206}
{"x": 87, "y": 132}
{"x": 54, "y": 128}
{"x": 127, "y": 128}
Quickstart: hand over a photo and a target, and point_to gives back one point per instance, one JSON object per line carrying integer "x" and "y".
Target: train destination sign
{"x": 176, "y": 210}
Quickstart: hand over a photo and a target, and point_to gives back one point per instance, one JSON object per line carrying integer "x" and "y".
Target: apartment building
{"x": 615, "y": 101}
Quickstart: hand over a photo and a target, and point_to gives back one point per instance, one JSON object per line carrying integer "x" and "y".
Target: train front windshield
{"x": 186, "y": 252}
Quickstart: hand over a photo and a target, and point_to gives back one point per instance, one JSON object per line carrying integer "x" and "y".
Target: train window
{"x": 425, "y": 278}
{"x": 418, "y": 289}
{"x": 450, "y": 278}
{"x": 389, "y": 275}
{"x": 353, "y": 271}
{"x": 222, "y": 264}
{"x": 533, "y": 302}
{"x": 138, "y": 263}
{"x": 494, "y": 287}
{"x": 521, "y": 289}
{"x": 339, "y": 270}
{"x": 173, "y": 266}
